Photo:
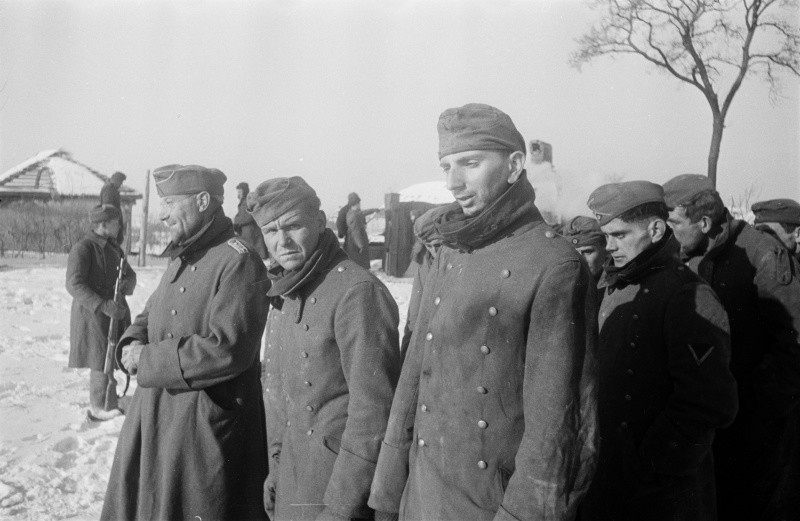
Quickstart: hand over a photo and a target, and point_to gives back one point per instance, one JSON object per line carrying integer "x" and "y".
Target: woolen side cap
{"x": 103, "y": 213}
{"x": 680, "y": 190}
{"x": 611, "y": 200}
{"x": 118, "y": 175}
{"x": 785, "y": 211}
{"x": 582, "y": 231}
{"x": 275, "y": 197}
{"x": 188, "y": 179}
{"x": 476, "y": 126}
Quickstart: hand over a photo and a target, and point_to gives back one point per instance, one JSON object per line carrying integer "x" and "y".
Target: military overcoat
{"x": 494, "y": 415}
{"x": 665, "y": 386}
{"x": 193, "y": 444}
{"x": 91, "y": 276}
{"x": 757, "y": 283}
{"x": 332, "y": 362}
{"x": 356, "y": 242}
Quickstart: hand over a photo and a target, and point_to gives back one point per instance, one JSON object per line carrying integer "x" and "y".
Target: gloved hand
{"x": 270, "y": 486}
{"x": 113, "y": 310}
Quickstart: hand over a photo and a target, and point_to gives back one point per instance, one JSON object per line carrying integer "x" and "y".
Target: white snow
{"x": 54, "y": 464}
{"x": 433, "y": 192}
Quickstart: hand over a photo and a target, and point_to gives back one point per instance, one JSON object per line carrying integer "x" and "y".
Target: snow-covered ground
{"x": 54, "y": 464}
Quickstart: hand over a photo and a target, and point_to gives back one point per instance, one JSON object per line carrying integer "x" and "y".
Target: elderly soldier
{"x": 494, "y": 415}
{"x": 665, "y": 384}
{"x": 193, "y": 442}
{"x": 781, "y": 219}
{"x": 585, "y": 235}
{"x": 757, "y": 283}
{"x": 332, "y": 361}
{"x": 92, "y": 271}
{"x": 244, "y": 225}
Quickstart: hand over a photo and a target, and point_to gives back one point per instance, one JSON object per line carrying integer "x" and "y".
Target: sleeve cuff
{"x": 160, "y": 366}
{"x": 390, "y": 478}
{"x": 348, "y": 488}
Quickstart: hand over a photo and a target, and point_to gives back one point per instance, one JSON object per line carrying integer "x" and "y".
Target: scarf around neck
{"x": 448, "y": 224}
{"x": 287, "y": 282}
{"x": 653, "y": 258}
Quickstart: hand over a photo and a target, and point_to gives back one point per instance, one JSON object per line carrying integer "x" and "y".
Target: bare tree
{"x": 712, "y": 45}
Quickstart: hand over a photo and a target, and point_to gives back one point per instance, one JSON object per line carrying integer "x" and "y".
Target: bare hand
{"x": 130, "y": 356}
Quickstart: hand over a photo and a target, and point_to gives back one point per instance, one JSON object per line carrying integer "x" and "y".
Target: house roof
{"x": 53, "y": 173}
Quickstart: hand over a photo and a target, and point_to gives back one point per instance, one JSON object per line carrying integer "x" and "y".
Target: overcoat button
{"x": 628, "y": 397}
{"x": 636, "y": 317}
{"x": 313, "y": 300}
{"x": 194, "y": 268}
{"x": 288, "y": 424}
{"x": 505, "y": 274}
{"x": 429, "y": 336}
{"x": 303, "y": 355}
{"x": 183, "y": 290}
{"x": 437, "y": 300}
{"x": 305, "y": 327}
{"x": 449, "y": 266}
{"x": 340, "y": 269}
{"x": 493, "y": 311}
{"x": 485, "y": 350}
{"x": 482, "y": 424}
{"x": 421, "y": 442}
{"x": 482, "y": 464}
{"x": 549, "y": 234}
{"x": 482, "y": 390}
{"x": 624, "y": 425}
{"x": 239, "y": 402}
{"x": 630, "y": 372}
{"x": 169, "y": 335}
{"x": 633, "y": 344}
{"x": 307, "y": 383}
{"x": 310, "y": 432}
{"x": 424, "y": 408}
{"x": 309, "y": 407}
{"x": 173, "y": 312}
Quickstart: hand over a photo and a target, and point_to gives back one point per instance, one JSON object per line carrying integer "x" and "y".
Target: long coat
{"x": 332, "y": 362}
{"x": 665, "y": 386}
{"x": 91, "y": 276}
{"x": 193, "y": 444}
{"x": 494, "y": 414}
{"x": 356, "y": 242}
{"x": 757, "y": 282}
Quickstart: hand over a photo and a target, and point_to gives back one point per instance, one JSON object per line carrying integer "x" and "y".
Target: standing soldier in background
{"x": 665, "y": 384}
{"x": 356, "y": 242}
{"x": 109, "y": 194}
{"x": 585, "y": 236}
{"x": 757, "y": 282}
{"x": 331, "y": 363}
{"x": 92, "y": 270}
{"x": 244, "y": 225}
{"x": 494, "y": 414}
{"x": 781, "y": 219}
{"x": 193, "y": 442}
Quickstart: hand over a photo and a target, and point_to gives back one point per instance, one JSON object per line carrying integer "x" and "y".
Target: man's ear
{"x": 516, "y": 164}
{"x": 203, "y": 200}
{"x": 657, "y": 228}
{"x": 705, "y": 224}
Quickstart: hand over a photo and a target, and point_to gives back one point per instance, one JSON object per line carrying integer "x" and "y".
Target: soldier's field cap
{"x": 477, "y": 127}
{"x": 785, "y": 211}
{"x": 118, "y": 176}
{"x": 612, "y": 200}
{"x": 275, "y": 197}
{"x": 583, "y": 231}
{"x": 188, "y": 179}
{"x": 680, "y": 190}
{"x": 103, "y": 213}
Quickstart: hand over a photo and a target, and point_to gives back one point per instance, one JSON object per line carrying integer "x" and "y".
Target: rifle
{"x": 111, "y": 345}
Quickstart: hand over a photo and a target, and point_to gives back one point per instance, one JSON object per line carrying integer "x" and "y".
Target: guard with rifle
{"x": 98, "y": 278}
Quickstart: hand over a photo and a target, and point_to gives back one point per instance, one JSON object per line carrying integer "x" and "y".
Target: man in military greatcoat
{"x": 193, "y": 442}
{"x": 92, "y": 271}
{"x": 331, "y": 362}
{"x": 585, "y": 236}
{"x": 494, "y": 414}
{"x": 781, "y": 219}
{"x": 665, "y": 381}
{"x": 757, "y": 282}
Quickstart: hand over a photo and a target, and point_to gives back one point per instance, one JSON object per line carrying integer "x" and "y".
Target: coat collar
{"x": 654, "y": 258}
{"x": 217, "y": 226}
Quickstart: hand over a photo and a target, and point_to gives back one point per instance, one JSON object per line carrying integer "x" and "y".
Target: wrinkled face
{"x": 293, "y": 237}
{"x": 788, "y": 239}
{"x": 625, "y": 241}
{"x": 595, "y": 256}
{"x": 689, "y": 234}
{"x": 182, "y": 215}
{"x": 476, "y": 178}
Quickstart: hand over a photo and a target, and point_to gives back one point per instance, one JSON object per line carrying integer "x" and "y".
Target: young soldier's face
{"x": 625, "y": 241}
{"x": 294, "y": 236}
{"x": 689, "y": 234}
{"x": 476, "y": 178}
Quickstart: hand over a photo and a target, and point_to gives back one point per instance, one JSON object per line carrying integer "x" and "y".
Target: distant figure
{"x": 91, "y": 276}
{"x": 193, "y": 445}
{"x": 781, "y": 219}
{"x": 585, "y": 236}
{"x": 109, "y": 194}
{"x": 245, "y": 226}
{"x": 341, "y": 219}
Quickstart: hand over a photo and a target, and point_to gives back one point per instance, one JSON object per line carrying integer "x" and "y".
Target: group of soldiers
{"x": 642, "y": 364}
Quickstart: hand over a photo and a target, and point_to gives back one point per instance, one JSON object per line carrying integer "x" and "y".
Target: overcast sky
{"x": 347, "y": 93}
